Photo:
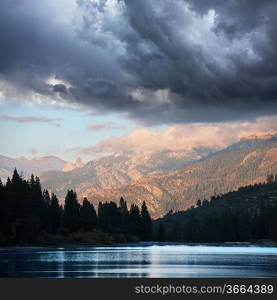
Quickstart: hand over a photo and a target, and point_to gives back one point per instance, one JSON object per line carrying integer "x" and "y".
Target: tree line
{"x": 249, "y": 214}
{"x": 27, "y": 212}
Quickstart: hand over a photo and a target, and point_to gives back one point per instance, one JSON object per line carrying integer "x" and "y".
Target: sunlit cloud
{"x": 183, "y": 137}
{"x": 98, "y": 127}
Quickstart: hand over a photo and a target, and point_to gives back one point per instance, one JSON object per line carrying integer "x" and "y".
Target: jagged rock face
{"x": 71, "y": 166}
{"x": 165, "y": 180}
{"x": 169, "y": 180}
{"x": 118, "y": 170}
{"x": 178, "y": 190}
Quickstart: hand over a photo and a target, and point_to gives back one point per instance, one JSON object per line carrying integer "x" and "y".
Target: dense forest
{"x": 30, "y": 216}
{"x": 248, "y": 214}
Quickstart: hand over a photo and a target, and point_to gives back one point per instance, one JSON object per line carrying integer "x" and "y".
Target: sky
{"x": 92, "y": 77}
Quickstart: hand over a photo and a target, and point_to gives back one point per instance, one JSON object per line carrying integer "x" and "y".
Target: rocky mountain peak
{"x": 71, "y": 166}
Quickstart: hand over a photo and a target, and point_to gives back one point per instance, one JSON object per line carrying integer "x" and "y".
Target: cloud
{"x": 157, "y": 62}
{"x": 183, "y": 137}
{"x": 98, "y": 127}
{"x": 31, "y": 119}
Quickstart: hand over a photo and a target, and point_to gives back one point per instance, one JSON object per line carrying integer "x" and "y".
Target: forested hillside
{"x": 249, "y": 214}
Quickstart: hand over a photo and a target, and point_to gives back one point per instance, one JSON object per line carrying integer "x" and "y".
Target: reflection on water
{"x": 139, "y": 261}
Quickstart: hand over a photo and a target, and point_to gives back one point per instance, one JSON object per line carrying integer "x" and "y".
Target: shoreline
{"x": 145, "y": 244}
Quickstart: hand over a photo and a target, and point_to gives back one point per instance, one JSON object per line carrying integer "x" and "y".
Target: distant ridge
{"x": 166, "y": 180}
{"x": 259, "y": 137}
{"x": 252, "y": 141}
{"x": 239, "y": 164}
{"x": 27, "y": 166}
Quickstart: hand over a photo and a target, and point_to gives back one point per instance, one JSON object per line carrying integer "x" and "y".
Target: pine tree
{"x": 37, "y": 204}
{"x": 46, "y": 198}
{"x": 134, "y": 220}
{"x": 4, "y": 221}
{"x": 14, "y": 196}
{"x": 104, "y": 216}
{"x": 88, "y": 216}
{"x": 124, "y": 223}
{"x": 115, "y": 217}
{"x": 71, "y": 212}
{"x": 146, "y": 232}
{"x": 46, "y": 214}
{"x": 55, "y": 213}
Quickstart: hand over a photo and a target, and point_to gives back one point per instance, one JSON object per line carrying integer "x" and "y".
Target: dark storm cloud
{"x": 158, "y": 61}
{"x": 61, "y": 88}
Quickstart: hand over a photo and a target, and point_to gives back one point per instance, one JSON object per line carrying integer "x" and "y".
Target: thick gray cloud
{"x": 158, "y": 61}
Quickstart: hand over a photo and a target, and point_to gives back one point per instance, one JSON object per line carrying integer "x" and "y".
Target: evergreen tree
{"x": 4, "y": 217}
{"x": 134, "y": 220}
{"x": 37, "y": 204}
{"x": 88, "y": 216}
{"x": 115, "y": 217}
{"x": 124, "y": 223}
{"x": 14, "y": 195}
{"x": 146, "y": 232}
{"x": 104, "y": 216}
{"x": 55, "y": 213}
{"x": 46, "y": 214}
{"x": 46, "y": 198}
{"x": 71, "y": 212}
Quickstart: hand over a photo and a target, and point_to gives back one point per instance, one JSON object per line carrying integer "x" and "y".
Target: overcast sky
{"x": 83, "y": 77}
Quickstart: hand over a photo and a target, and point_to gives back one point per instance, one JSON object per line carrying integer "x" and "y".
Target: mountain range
{"x": 28, "y": 166}
{"x": 219, "y": 173}
{"x": 115, "y": 171}
{"x": 165, "y": 180}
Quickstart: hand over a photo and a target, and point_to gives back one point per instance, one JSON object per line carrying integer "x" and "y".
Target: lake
{"x": 149, "y": 260}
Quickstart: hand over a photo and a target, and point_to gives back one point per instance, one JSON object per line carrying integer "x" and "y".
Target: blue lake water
{"x": 139, "y": 261}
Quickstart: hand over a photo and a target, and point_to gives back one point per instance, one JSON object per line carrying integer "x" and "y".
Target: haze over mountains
{"x": 27, "y": 166}
{"x": 165, "y": 180}
{"x": 38, "y": 165}
{"x": 119, "y": 170}
{"x": 178, "y": 190}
